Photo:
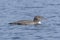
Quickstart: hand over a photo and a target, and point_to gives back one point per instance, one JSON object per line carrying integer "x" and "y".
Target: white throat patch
{"x": 39, "y": 22}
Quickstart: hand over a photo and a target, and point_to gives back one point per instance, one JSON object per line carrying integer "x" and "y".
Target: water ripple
{"x": 15, "y": 38}
{"x": 54, "y": 4}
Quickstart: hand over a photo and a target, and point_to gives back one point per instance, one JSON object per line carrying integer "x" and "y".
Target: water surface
{"x": 13, "y": 10}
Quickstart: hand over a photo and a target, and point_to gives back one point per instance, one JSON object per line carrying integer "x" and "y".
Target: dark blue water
{"x": 13, "y": 10}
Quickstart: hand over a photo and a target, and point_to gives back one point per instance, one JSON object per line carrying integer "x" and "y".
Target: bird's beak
{"x": 44, "y": 18}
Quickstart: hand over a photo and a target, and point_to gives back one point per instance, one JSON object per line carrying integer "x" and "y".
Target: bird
{"x": 36, "y": 20}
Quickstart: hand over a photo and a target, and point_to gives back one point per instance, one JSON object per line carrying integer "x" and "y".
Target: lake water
{"x": 13, "y": 10}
